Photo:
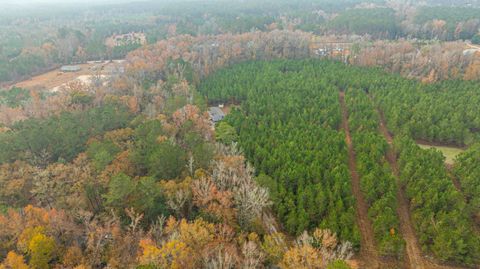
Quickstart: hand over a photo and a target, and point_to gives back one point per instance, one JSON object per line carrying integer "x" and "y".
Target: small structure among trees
{"x": 216, "y": 114}
{"x": 70, "y": 68}
{"x": 126, "y": 39}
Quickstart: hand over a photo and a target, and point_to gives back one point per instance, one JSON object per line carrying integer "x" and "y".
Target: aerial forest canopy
{"x": 380, "y": 22}
{"x": 450, "y": 22}
{"x": 439, "y": 112}
{"x": 287, "y": 106}
{"x": 288, "y": 126}
{"x": 148, "y": 150}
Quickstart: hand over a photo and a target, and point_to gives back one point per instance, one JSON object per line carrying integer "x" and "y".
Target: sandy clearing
{"x": 55, "y": 79}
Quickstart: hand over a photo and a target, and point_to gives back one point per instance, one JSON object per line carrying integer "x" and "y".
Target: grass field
{"x": 449, "y": 152}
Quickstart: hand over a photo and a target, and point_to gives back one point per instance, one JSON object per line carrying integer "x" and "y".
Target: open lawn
{"x": 449, "y": 152}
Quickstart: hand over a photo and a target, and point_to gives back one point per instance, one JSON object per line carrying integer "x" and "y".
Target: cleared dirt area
{"x": 368, "y": 250}
{"x": 472, "y": 46}
{"x": 52, "y": 80}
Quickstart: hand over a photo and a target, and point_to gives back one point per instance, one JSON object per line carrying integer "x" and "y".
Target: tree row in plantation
{"x": 287, "y": 127}
{"x": 467, "y": 171}
{"x": 442, "y": 112}
{"x": 439, "y": 212}
{"x": 377, "y": 182}
{"x": 445, "y": 112}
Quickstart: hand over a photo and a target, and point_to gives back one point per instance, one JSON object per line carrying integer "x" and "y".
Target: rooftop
{"x": 70, "y": 68}
{"x": 216, "y": 114}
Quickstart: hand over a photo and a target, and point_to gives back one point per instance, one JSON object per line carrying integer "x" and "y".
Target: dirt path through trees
{"x": 455, "y": 181}
{"x": 368, "y": 250}
{"x": 475, "y": 214}
{"x": 414, "y": 255}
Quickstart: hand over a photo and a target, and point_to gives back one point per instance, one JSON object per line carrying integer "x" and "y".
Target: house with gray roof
{"x": 216, "y": 114}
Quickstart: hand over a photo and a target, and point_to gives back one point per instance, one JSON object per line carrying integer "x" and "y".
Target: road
{"x": 414, "y": 255}
{"x": 472, "y": 46}
{"x": 368, "y": 249}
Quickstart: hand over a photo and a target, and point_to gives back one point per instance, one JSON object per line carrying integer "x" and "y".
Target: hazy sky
{"x": 37, "y": 2}
{"x": 61, "y": 1}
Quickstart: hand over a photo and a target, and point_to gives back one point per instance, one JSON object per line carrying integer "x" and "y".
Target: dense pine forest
{"x": 288, "y": 125}
{"x": 285, "y": 136}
